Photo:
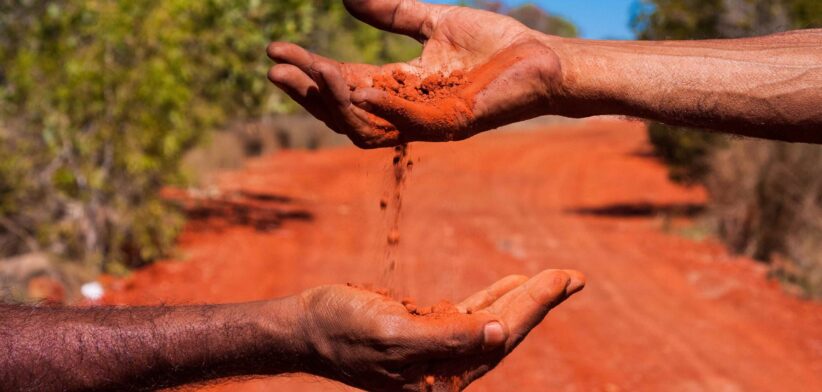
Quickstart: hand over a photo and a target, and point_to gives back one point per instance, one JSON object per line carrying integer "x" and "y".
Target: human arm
{"x": 765, "y": 86}
{"x": 146, "y": 348}
{"x": 768, "y": 87}
{"x": 345, "y": 333}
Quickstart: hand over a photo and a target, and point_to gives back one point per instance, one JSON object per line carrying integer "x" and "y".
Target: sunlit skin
{"x": 455, "y": 38}
{"x": 344, "y": 333}
{"x": 766, "y": 87}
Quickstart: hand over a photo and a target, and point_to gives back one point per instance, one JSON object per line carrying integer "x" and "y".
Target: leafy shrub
{"x": 686, "y": 152}
{"x": 100, "y": 100}
{"x": 532, "y": 16}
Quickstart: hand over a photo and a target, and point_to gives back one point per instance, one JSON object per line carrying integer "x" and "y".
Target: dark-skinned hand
{"x": 371, "y": 341}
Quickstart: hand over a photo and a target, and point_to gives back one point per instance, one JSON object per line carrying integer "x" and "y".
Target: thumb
{"x": 410, "y": 17}
{"x": 459, "y": 335}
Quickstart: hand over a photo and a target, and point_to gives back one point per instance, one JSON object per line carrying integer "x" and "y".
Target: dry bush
{"x": 766, "y": 199}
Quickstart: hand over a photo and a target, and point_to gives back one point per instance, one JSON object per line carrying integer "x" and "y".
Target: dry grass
{"x": 766, "y": 199}
{"x": 230, "y": 148}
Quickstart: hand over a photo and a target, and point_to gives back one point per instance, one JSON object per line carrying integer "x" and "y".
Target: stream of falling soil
{"x": 401, "y": 165}
{"x": 436, "y": 90}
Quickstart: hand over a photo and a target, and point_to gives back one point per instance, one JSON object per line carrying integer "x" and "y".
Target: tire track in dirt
{"x": 633, "y": 313}
{"x": 564, "y": 185}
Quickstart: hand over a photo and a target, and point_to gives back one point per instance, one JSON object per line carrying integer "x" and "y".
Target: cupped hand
{"x": 371, "y": 341}
{"x": 511, "y": 74}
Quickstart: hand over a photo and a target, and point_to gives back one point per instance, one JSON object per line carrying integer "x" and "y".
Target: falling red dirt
{"x": 660, "y": 311}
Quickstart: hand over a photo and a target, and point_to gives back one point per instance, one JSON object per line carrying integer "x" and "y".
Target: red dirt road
{"x": 660, "y": 311}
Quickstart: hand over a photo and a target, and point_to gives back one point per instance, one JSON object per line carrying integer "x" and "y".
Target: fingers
{"x": 331, "y": 101}
{"x": 525, "y": 307}
{"x": 457, "y": 335}
{"x": 292, "y": 79}
{"x": 334, "y": 83}
{"x": 317, "y": 67}
{"x": 299, "y": 87}
{"x": 284, "y": 52}
{"x": 410, "y": 17}
{"x": 297, "y": 74}
{"x": 337, "y": 97}
{"x": 382, "y": 104}
{"x": 329, "y": 97}
{"x": 577, "y": 282}
{"x": 484, "y": 298}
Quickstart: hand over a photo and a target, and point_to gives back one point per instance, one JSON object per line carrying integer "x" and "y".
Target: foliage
{"x": 537, "y": 19}
{"x": 99, "y": 100}
{"x": 766, "y": 200}
{"x": 686, "y": 152}
{"x": 532, "y": 16}
{"x": 766, "y": 197}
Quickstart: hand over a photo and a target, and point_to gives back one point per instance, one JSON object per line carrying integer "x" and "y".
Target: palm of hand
{"x": 510, "y": 71}
{"x": 373, "y": 342}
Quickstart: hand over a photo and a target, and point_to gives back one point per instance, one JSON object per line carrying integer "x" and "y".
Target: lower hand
{"x": 370, "y": 341}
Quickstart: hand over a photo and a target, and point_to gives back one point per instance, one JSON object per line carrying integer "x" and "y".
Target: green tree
{"x": 536, "y": 18}
{"x": 531, "y": 15}
{"x": 99, "y": 100}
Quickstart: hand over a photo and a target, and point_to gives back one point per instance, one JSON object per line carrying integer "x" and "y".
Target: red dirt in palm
{"x": 660, "y": 311}
{"x": 431, "y": 89}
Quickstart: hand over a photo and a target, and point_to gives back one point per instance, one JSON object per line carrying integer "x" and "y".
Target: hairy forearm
{"x": 766, "y": 87}
{"x": 147, "y": 347}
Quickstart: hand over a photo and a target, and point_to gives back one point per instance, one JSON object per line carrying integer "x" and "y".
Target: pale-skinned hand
{"x": 512, "y": 72}
{"x": 371, "y": 341}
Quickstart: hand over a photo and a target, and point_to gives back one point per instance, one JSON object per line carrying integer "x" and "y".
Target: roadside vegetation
{"x": 765, "y": 198}
{"x": 101, "y": 100}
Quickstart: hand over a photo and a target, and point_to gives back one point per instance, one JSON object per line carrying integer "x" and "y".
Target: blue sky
{"x": 598, "y": 19}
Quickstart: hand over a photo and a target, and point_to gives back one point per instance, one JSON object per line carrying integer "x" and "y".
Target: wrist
{"x": 281, "y": 323}
{"x": 584, "y": 86}
{"x": 315, "y": 349}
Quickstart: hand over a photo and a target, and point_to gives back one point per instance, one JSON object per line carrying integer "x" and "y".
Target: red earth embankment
{"x": 660, "y": 311}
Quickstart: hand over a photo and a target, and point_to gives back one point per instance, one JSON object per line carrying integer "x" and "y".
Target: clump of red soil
{"x": 440, "y": 308}
{"x": 444, "y": 308}
{"x": 433, "y": 107}
{"x": 413, "y": 88}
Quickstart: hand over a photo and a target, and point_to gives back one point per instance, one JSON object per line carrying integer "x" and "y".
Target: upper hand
{"x": 511, "y": 72}
{"x": 370, "y": 341}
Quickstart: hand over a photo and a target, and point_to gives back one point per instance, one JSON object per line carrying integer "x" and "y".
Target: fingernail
{"x": 358, "y": 99}
{"x": 493, "y": 335}
{"x": 357, "y": 96}
{"x": 364, "y": 105}
{"x": 576, "y": 283}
